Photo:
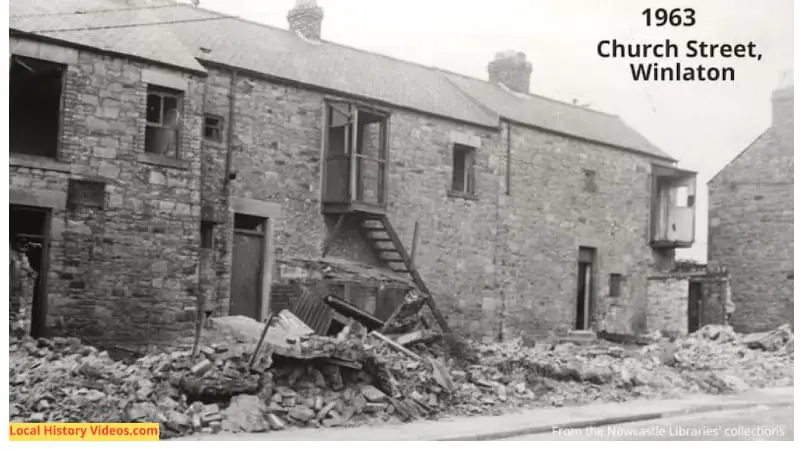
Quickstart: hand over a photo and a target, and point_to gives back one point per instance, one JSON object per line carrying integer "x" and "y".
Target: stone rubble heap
{"x": 63, "y": 380}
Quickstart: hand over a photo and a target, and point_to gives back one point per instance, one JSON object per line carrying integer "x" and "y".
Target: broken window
{"x": 589, "y": 181}
{"x": 35, "y": 103}
{"x": 614, "y": 285}
{"x": 682, "y": 196}
{"x": 206, "y": 234}
{"x": 356, "y": 153}
{"x": 212, "y": 128}
{"x": 463, "y": 169}
{"x": 244, "y": 222}
{"x": 163, "y": 121}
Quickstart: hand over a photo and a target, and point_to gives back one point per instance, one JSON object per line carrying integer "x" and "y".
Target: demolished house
{"x": 179, "y": 171}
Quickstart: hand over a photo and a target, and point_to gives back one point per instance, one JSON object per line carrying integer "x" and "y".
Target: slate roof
{"x": 111, "y": 25}
{"x": 236, "y": 42}
{"x": 548, "y": 114}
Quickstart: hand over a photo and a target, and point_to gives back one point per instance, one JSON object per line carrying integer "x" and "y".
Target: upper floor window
{"x": 212, "y": 128}
{"x": 35, "y": 104}
{"x": 463, "y": 170}
{"x": 162, "y": 135}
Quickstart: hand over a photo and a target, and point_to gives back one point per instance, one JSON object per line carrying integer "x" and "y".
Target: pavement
{"x": 530, "y": 422}
{"x": 758, "y": 423}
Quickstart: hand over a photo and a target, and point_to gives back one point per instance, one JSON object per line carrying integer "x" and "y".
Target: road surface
{"x": 754, "y": 424}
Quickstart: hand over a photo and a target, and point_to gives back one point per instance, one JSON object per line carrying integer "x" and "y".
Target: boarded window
{"x": 35, "y": 104}
{"x": 163, "y": 121}
{"x": 212, "y": 128}
{"x": 463, "y": 169}
{"x": 589, "y": 181}
{"x": 614, "y": 285}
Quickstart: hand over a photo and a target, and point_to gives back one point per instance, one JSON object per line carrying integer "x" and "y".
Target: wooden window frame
{"x": 165, "y": 92}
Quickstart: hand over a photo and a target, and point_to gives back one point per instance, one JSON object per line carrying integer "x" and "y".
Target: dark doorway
{"x": 695, "y": 305}
{"x": 249, "y": 239}
{"x": 29, "y": 231}
{"x": 585, "y": 297}
{"x": 35, "y": 104}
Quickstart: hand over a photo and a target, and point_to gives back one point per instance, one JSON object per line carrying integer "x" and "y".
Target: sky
{"x": 703, "y": 125}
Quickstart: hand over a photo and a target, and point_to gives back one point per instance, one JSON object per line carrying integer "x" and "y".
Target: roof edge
{"x": 323, "y": 89}
{"x": 739, "y": 155}
{"x": 591, "y": 141}
{"x": 48, "y": 39}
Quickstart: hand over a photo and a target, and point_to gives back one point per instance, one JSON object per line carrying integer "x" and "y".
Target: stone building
{"x": 751, "y": 221}
{"x": 185, "y": 161}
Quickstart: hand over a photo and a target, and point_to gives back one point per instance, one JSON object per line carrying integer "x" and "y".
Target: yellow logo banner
{"x": 83, "y": 431}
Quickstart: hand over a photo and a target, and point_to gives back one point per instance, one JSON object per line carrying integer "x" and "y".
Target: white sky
{"x": 703, "y": 125}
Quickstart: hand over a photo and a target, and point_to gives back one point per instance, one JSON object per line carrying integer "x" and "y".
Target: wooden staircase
{"x": 378, "y": 232}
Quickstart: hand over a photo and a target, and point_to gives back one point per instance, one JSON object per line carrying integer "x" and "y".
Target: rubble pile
{"x": 247, "y": 378}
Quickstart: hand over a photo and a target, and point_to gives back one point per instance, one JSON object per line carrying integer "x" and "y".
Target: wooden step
{"x": 392, "y": 260}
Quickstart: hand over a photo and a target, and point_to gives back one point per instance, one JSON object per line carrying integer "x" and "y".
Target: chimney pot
{"x": 511, "y": 68}
{"x": 306, "y": 18}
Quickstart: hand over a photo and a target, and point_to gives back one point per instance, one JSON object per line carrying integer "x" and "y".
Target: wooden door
{"x": 248, "y": 266}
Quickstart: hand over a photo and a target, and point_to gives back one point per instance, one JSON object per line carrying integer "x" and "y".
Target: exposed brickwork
{"x": 751, "y": 225}
{"x": 126, "y": 272}
{"x": 668, "y": 305}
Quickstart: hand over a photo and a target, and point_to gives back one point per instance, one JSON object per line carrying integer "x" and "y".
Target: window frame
{"x": 165, "y": 92}
{"x": 469, "y": 187}
{"x": 64, "y": 68}
{"x": 220, "y": 127}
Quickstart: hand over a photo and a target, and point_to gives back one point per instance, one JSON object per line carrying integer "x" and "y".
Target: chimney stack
{"x": 512, "y": 69}
{"x": 783, "y": 101}
{"x": 306, "y": 18}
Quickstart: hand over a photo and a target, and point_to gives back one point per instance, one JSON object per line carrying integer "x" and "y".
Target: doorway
{"x": 585, "y": 298}
{"x": 695, "y": 305}
{"x": 29, "y": 233}
{"x": 249, "y": 240}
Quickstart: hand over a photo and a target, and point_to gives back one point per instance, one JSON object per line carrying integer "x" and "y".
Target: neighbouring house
{"x": 170, "y": 158}
{"x": 751, "y": 221}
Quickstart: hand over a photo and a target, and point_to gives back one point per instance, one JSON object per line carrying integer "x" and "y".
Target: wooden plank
{"x": 416, "y": 277}
{"x": 257, "y": 350}
{"x": 396, "y": 346}
{"x": 414, "y": 243}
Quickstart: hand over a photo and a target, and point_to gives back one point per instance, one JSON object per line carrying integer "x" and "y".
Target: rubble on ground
{"x": 299, "y": 379}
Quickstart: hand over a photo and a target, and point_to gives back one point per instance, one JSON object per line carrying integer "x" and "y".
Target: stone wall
{"x": 549, "y": 215}
{"x": 751, "y": 222}
{"x": 498, "y": 265}
{"x": 278, "y": 132}
{"x": 122, "y": 270}
{"x": 668, "y": 305}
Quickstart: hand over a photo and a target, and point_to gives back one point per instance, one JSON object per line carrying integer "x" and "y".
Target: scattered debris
{"x": 358, "y": 377}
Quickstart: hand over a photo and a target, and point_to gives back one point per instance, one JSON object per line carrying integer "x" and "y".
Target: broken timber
{"x": 385, "y": 226}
